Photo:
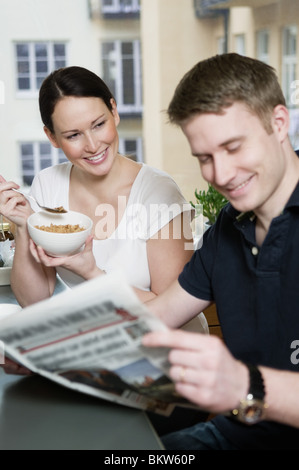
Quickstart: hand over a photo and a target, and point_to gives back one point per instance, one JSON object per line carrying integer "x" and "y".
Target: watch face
{"x": 251, "y": 411}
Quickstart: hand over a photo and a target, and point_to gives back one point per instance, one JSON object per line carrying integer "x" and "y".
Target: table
{"x": 37, "y": 414}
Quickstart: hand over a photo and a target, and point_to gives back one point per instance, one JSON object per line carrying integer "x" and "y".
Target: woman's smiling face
{"x": 86, "y": 130}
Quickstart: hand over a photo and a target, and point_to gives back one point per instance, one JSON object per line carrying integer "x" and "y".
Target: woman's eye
{"x": 72, "y": 136}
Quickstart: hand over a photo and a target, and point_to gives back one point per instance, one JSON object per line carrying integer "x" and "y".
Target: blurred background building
{"x": 141, "y": 48}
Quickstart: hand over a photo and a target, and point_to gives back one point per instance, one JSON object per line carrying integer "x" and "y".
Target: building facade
{"x": 141, "y": 48}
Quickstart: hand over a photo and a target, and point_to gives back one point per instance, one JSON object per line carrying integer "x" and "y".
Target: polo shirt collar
{"x": 241, "y": 216}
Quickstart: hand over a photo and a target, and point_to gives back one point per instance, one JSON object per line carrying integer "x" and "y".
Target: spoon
{"x": 55, "y": 210}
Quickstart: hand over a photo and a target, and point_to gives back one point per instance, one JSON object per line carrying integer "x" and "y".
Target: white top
{"x": 155, "y": 199}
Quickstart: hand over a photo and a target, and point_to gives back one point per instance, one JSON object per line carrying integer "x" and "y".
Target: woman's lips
{"x": 98, "y": 157}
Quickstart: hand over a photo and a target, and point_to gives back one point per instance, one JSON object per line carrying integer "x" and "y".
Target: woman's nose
{"x": 91, "y": 143}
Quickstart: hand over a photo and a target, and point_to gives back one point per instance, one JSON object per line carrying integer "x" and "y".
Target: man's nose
{"x": 224, "y": 170}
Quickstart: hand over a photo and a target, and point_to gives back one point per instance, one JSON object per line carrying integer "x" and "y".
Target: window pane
{"x": 109, "y": 65}
{"x": 22, "y": 50}
{"x": 59, "y": 64}
{"x": 27, "y": 165}
{"x": 45, "y": 163}
{"x": 130, "y": 146}
{"x": 42, "y": 66}
{"x": 41, "y": 50}
{"x": 127, "y": 48}
{"x": 23, "y": 67}
{"x": 39, "y": 81}
{"x": 26, "y": 149}
{"x": 128, "y": 82}
{"x": 61, "y": 157}
{"x": 45, "y": 149}
{"x": 23, "y": 84}
{"x": 59, "y": 50}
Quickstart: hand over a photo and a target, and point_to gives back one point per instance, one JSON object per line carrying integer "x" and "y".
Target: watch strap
{"x": 256, "y": 383}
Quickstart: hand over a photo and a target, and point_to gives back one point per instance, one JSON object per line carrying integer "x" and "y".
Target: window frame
{"x": 32, "y": 74}
{"x": 126, "y": 110}
{"x": 288, "y": 63}
{"x": 56, "y": 156}
{"x": 116, "y": 9}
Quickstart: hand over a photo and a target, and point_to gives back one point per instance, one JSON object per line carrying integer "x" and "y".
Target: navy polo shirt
{"x": 256, "y": 291}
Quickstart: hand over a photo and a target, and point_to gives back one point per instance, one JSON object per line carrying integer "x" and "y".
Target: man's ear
{"x": 51, "y": 137}
{"x": 281, "y": 121}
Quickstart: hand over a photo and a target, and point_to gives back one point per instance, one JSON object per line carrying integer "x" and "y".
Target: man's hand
{"x": 203, "y": 369}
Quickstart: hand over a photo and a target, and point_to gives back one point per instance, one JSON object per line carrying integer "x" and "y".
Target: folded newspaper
{"x": 89, "y": 339}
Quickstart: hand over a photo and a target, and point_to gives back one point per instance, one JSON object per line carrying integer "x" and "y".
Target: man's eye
{"x": 99, "y": 124}
{"x": 233, "y": 149}
{"x": 204, "y": 158}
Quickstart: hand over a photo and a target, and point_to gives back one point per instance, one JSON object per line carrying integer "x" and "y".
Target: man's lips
{"x": 237, "y": 189}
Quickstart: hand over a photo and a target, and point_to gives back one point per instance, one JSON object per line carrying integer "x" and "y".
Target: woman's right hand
{"x": 13, "y": 206}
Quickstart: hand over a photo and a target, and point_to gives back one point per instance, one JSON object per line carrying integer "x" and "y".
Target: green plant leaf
{"x": 212, "y": 202}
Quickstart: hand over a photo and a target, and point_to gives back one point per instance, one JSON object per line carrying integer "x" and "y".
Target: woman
{"x": 139, "y": 214}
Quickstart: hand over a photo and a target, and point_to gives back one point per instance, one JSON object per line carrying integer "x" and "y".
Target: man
{"x": 233, "y": 113}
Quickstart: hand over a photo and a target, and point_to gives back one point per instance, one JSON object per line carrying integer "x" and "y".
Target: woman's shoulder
{"x": 157, "y": 184}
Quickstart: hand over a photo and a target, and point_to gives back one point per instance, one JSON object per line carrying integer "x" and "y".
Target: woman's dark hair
{"x": 70, "y": 81}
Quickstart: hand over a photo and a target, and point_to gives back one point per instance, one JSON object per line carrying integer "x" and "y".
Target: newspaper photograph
{"x": 89, "y": 339}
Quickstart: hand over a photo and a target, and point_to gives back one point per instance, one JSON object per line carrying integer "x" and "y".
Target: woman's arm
{"x": 168, "y": 252}
{"x": 30, "y": 282}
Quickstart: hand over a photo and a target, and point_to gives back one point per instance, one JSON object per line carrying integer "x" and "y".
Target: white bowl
{"x": 59, "y": 244}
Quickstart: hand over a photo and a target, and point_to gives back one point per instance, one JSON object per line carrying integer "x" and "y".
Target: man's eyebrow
{"x": 223, "y": 144}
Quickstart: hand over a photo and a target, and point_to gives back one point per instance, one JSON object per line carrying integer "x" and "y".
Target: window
{"x": 122, "y": 74}
{"x": 131, "y": 148}
{"x": 289, "y": 60}
{"x": 262, "y": 40}
{"x": 221, "y": 45}
{"x": 35, "y": 60}
{"x": 240, "y": 44}
{"x": 38, "y": 155}
{"x": 121, "y": 8}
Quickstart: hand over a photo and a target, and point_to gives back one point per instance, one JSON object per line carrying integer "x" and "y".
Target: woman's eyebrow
{"x": 92, "y": 123}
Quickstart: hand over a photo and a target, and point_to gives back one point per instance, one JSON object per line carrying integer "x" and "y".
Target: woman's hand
{"x": 82, "y": 263}
{"x": 203, "y": 369}
{"x": 13, "y": 206}
{"x": 11, "y": 367}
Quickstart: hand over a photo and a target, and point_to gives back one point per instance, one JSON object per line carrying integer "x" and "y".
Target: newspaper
{"x": 89, "y": 339}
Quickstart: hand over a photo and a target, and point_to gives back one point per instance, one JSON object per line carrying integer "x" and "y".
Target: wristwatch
{"x": 252, "y": 409}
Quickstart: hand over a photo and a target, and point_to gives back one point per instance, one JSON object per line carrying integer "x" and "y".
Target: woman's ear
{"x": 281, "y": 122}
{"x": 51, "y": 137}
{"x": 115, "y": 112}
